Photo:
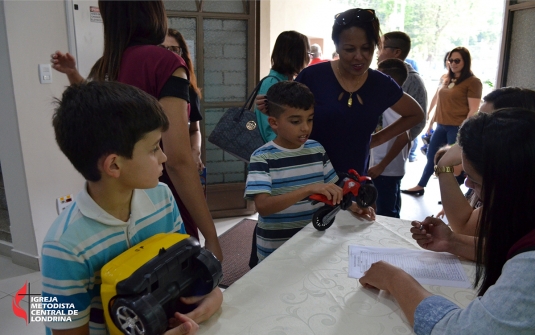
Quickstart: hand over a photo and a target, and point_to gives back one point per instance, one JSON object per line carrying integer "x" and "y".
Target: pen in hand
{"x": 422, "y": 226}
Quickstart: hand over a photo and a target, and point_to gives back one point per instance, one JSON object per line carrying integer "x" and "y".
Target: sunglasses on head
{"x": 356, "y": 14}
{"x": 456, "y": 60}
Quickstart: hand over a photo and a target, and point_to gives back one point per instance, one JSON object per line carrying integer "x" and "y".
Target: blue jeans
{"x": 388, "y": 195}
{"x": 412, "y": 153}
{"x": 443, "y": 135}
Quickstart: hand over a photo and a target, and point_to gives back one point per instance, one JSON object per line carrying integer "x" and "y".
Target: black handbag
{"x": 237, "y": 131}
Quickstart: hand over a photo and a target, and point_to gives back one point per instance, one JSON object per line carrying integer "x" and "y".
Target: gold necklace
{"x": 350, "y": 100}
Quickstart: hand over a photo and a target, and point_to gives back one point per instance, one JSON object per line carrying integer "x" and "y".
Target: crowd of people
{"x": 132, "y": 130}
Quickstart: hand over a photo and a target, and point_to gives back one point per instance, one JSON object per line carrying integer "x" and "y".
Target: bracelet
{"x": 443, "y": 169}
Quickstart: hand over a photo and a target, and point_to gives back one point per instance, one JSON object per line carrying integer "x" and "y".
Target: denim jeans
{"x": 388, "y": 195}
{"x": 443, "y": 135}
{"x": 412, "y": 153}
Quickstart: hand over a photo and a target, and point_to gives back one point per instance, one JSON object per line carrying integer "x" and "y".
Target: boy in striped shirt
{"x": 285, "y": 171}
{"x": 111, "y": 133}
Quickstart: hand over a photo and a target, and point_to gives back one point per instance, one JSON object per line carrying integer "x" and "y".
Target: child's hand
{"x": 375, "y": 171}
{"x": 331, "y": 191}
{"x": 367, "y": 213}
{"x": 207, "y": 305}
{"x": 182, "y": 325}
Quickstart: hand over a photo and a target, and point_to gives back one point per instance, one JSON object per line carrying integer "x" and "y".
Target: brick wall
{"x": 225, "y": 78}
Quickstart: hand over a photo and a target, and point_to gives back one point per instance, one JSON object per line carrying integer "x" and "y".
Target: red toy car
{"x": 352, "y": 184}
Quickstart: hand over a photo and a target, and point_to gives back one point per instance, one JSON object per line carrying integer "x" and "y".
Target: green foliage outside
{"x": 437, "y": 26}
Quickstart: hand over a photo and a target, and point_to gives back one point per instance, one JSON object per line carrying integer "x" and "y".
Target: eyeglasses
{"x": 456, "y": 60}
{"x": 310, "y": 54}
{"x": 174, "y": 48}
{"x": 355, "y": 14}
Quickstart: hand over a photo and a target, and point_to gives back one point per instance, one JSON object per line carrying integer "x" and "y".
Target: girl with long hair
{"x": 498, "y": 155}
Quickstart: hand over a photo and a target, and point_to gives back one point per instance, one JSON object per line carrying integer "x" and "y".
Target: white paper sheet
{"x": 427, "y": 267}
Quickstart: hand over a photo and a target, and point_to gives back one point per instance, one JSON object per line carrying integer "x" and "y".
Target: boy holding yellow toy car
{"x": 111, "y": 133}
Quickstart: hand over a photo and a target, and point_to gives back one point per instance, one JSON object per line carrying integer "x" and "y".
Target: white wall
{"x": 312, "y": 18}
{"x": 35, "y": 171}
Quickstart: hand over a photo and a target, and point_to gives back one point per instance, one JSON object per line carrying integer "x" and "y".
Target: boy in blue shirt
{"x": 111, "y": 133}
{"x": 285, "y": 171}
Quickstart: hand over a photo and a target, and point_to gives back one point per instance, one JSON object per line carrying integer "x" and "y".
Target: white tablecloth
{"x": 304, "y": 288}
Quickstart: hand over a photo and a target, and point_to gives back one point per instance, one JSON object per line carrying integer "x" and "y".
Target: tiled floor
{"x": 12, "y": 276}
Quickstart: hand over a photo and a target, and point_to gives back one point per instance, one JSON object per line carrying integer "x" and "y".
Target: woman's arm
{"x": 411, "y": 114}
{"x": 65, "y": 63}
{"x": 461, "y": 216}
{"x": 433, "y": 104}
{"x": 182, "y": 170}
{"x": 196, "y": 141}
{"x": 433, "y": 234}
{"x": 473, "y": 106}
{"x": 403, "y": 287}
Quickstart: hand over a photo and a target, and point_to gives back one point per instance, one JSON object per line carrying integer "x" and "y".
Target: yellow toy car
{"x": 140, "y": 287}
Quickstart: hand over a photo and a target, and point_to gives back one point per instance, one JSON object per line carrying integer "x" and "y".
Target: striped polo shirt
{"x": 276, "y": 170}
{"x": 84, "y": 238}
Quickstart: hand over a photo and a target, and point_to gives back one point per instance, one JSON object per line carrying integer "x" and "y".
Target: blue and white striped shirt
{"x": 85, "y": 237}
{"x": 276, "y": 170}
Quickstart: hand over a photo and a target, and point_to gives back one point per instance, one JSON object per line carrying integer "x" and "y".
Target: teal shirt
{"x": 261, "y": 118}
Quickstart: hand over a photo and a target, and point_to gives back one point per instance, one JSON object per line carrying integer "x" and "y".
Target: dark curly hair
{"x": 288, "y": 94}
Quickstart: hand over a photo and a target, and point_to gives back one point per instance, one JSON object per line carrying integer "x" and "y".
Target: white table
{"x": 303, "y": 287}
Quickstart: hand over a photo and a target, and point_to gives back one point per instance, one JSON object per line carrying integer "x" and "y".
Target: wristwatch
{"x": 443, "y": 169}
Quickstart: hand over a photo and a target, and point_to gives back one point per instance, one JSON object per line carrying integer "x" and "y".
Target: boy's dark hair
{"x": 511, "y": 97}
{"x": 95, "y": 119}
{"x": 288, "y": 94}
{"x": 400, "y": 40}
{"x": 395, "y": 68}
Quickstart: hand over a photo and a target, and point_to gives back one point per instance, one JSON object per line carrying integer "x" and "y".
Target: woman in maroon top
{"x": 132, "y": 32}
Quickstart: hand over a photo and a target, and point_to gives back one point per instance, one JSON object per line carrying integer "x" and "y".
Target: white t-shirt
{"x": 396, "y": 168}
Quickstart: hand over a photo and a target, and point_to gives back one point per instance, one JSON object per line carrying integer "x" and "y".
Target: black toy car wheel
{"x": 367, "y": 195}
{"x": 140, "y": 316}
{"x": 317, "y": 218}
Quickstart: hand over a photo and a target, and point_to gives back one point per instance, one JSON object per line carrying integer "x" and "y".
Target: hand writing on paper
{"x": 379, "y": 275}
{"x": 435, "y": 235}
